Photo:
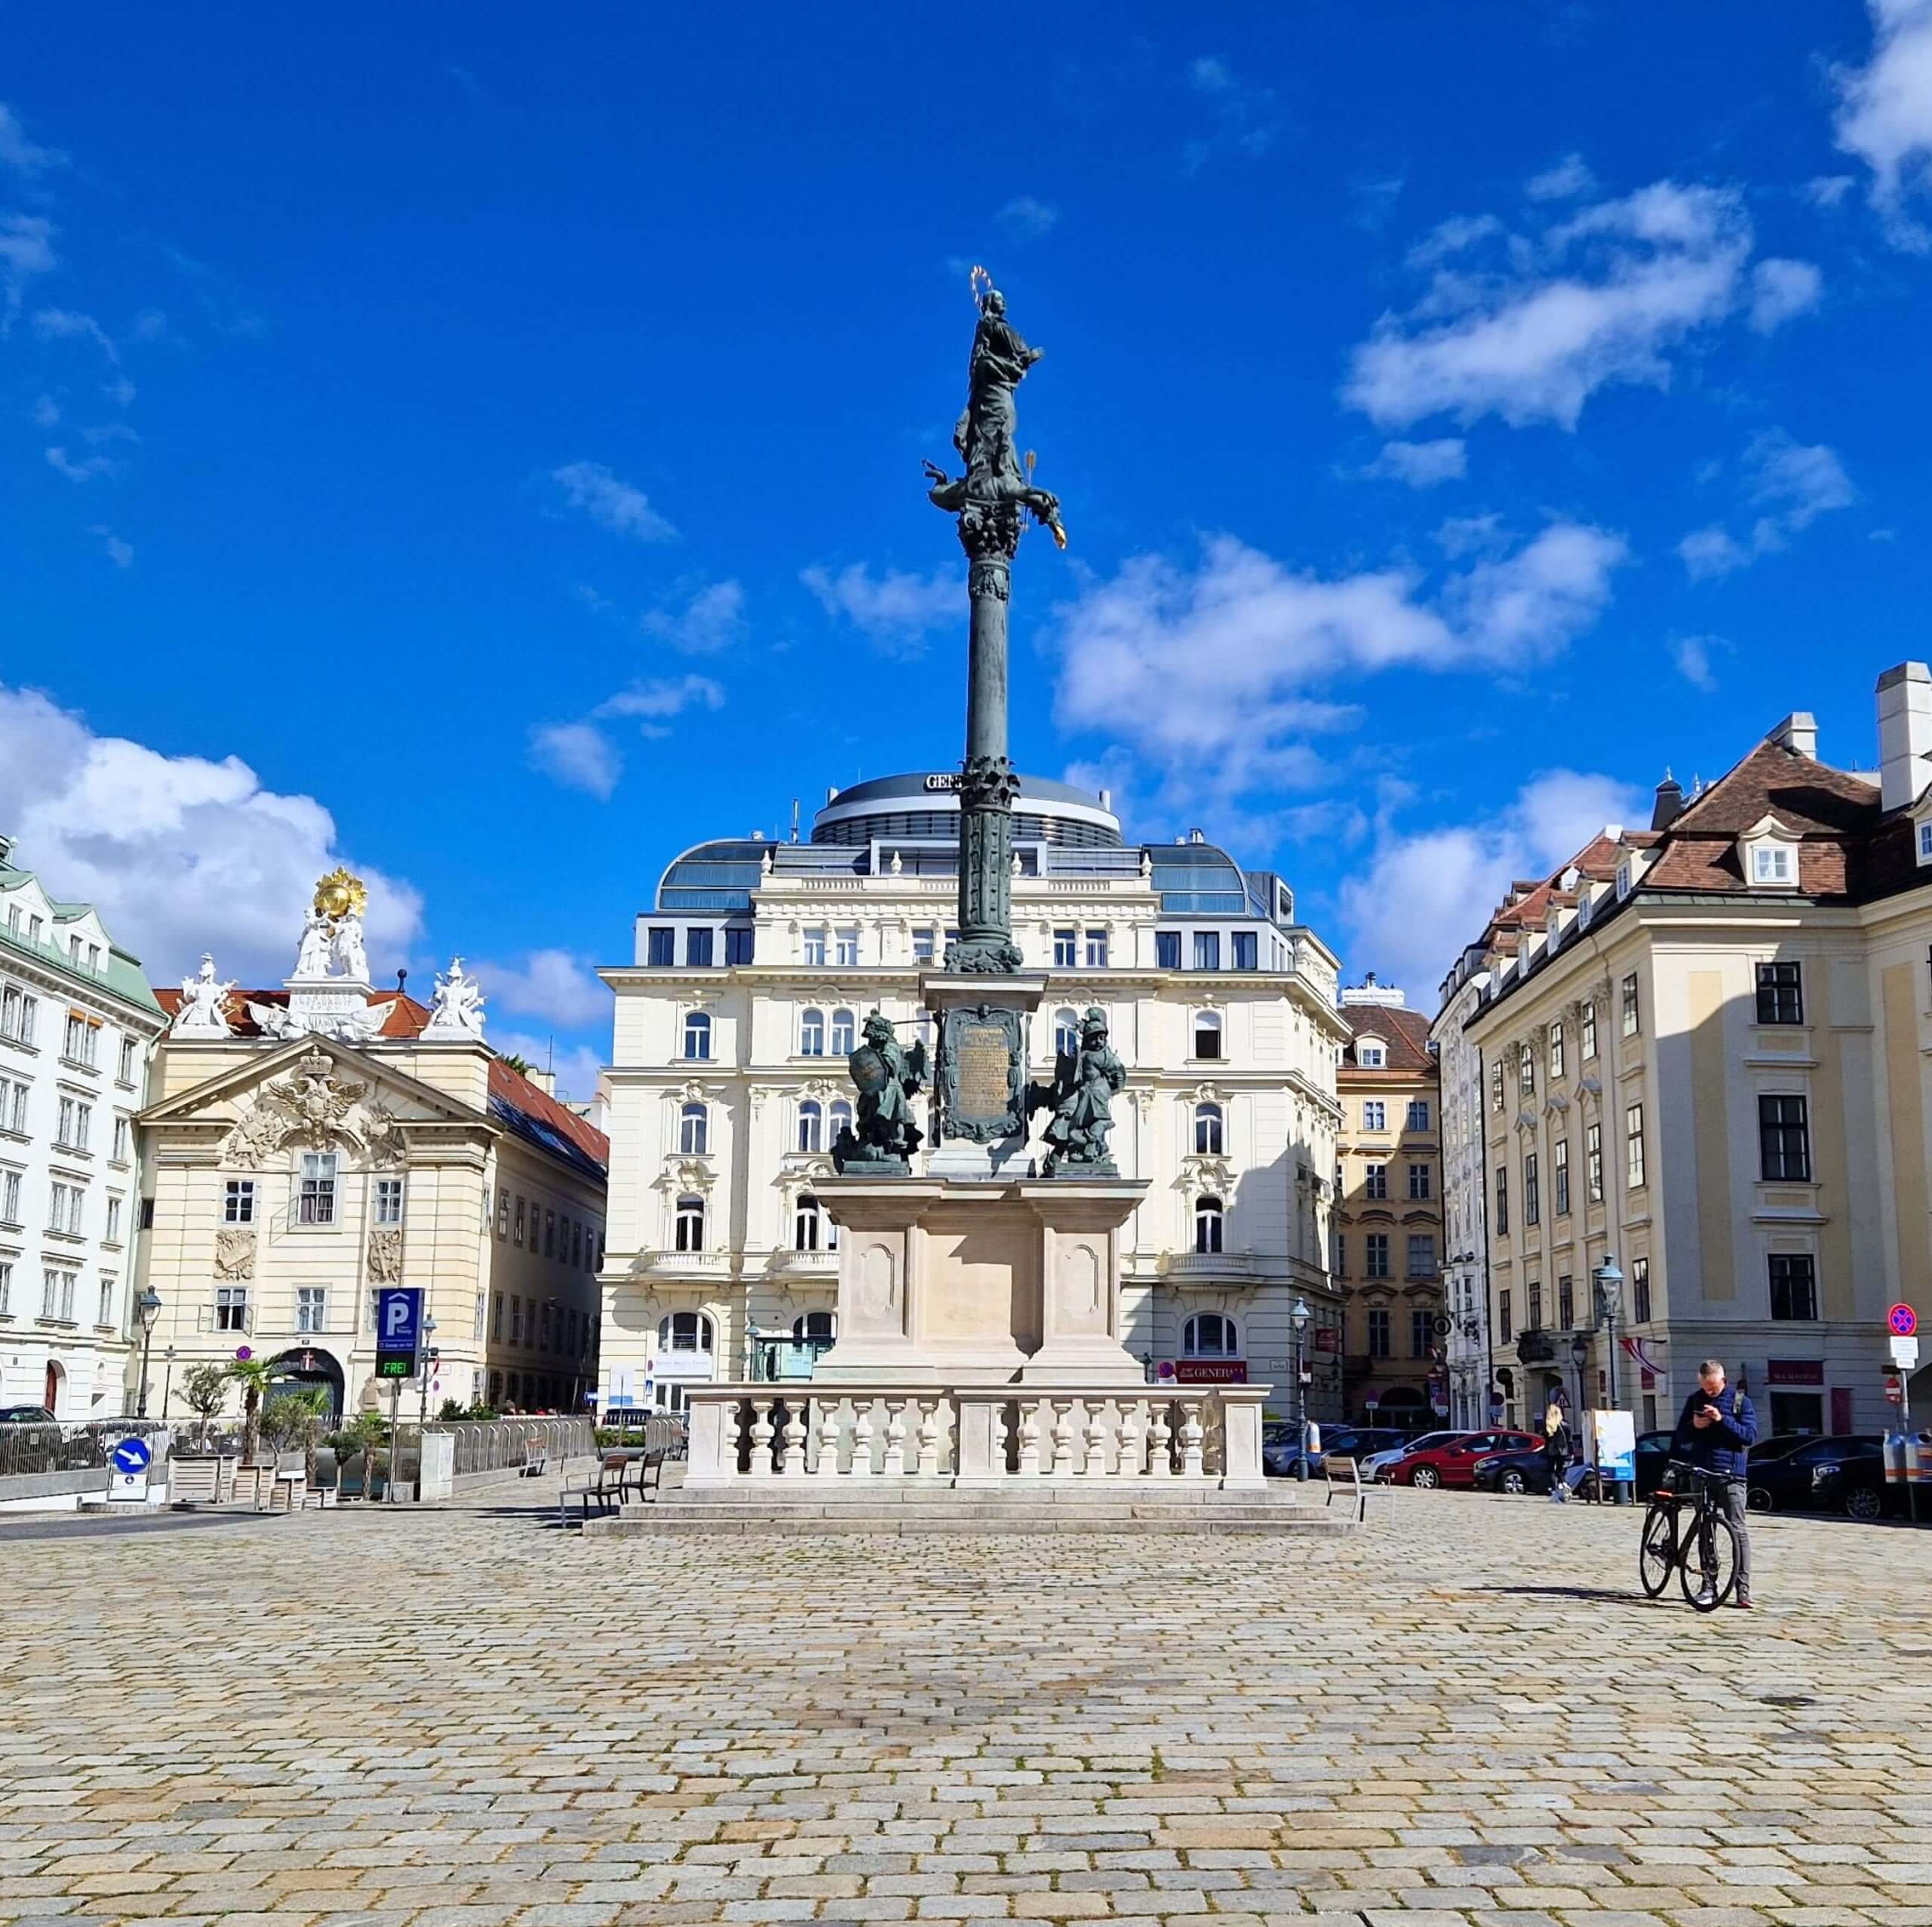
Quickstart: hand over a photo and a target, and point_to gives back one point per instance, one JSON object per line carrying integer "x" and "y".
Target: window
{"x": 12, "y": 1106}
{"x": 1589, "y": 1029}
{"x": 496, "y": 1317}
{"x": 549, "y": 1234}
{"x": 1419, "y": 1185}
{"x": 694, "y": 1131}
{"x": 1207, "y": 1035}
{"x": 815, "y": 946}
{"x": 17, "y": 1013}
{"x": 661, "y": 948}
{"x": 1375, "y": 1115}
{"x": 811, "y": 1125}
{"x": 502, "y": 1216}
{"x": 6, "y": 1287}
{"x": 125, "y": 1071}
{"x": 1207, "y": 950}
{"x": 1418, "y": 1114}
{"x": 121, "y": 1134}
{"x": 685, "y": 1331}
{"x": 1209, "y": 1136}
{"x": 145, "y": 1218}
{"x": 1066, "y": 1034}
{"x": 543, "y": 1324}
{"x": 1925, "y": 843}
{"x": 1593, "y": 1163}
{"x": 812, "y": 1034}
{"x": 1560, "y": 1160}
{"x": 1502, "y": 1201}
{"x": 56, "y": 1294}
{"x": 482, "y": 1302}
{"x": 1535, "y": 1308}
{"x": 63, "y": 1207}
{"x": 231, "y": 1308}
{"x": 1096, "y": 949}
{"x": 1371, "y": 1057}
{"x": 741, "y": 946}
{"x": 1773, "y": 863}
{"x": 1784, "y": 1139}
{"x": 311, "y": 1307}
{"x": 1207, "y": 1224}
{"x": 81, "y": 1042}
{"x": 1421, "y": 1333}
{"x": 1794, "y": 1285}
{"x": 111, "y": 1231}
{"x": 1375, "y": 1255}
{"x": 1375, "y": 1181}
{"x": 517, "y": 1236}
{"x": 1379, "y": 1345}
{"x": 690, "y": 1224}
{"x": 847, "y": 950}
{"x": 845, "y": 1034}
{"x": 516, "y": 1319}
{"x": 1422, "y": 1255}
{"x": 1505, "y": 1329}
{"x": 74, "y": 1121}
{"x": 1065, "y": 944}
{"x": 1780, "y": 993}
{"x": 1632, "y": 1021}
{"x": 577, "y": 1246}
{"x": 1525, "y": 1070}
{"x": 316, "y": 1203}
{"x": 838, "y": 1120}
{"x": 1209, "y": 1335}
{"x": 1496, "y": 1100}
{"x": 922, "y": 945}
{"x": 811, "y": 1229}
{"x": 1633, "y": 1147}
{"x": 1555, "y": 1051}
{"x": 1640, "y": 1291}
{"x": 10, "y": 1197}
{"x": 814, "y": 1328}
{"x": 388, "y": 1200}
{"x": 1167, "y": 950}
{"x": 697, "y": 1036}
{"x": 698, "y": 948}
{"x": 1247, "y": 950}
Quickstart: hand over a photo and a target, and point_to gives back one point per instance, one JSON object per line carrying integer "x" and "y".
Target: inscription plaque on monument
{"x": 985, "y": 1085}
{"x": 982, "y": 1054}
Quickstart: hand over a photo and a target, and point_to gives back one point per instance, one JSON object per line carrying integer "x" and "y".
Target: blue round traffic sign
{"x": 131, "y": 1456}
{"x": 1903, "y": 1321}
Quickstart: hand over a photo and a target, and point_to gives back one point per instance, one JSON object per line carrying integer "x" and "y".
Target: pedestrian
{"x": 1556, "y": 1453}
{"x": 1715, "y": 1434}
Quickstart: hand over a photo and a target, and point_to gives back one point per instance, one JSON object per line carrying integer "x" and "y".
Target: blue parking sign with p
{"x": 398, "y": 1330}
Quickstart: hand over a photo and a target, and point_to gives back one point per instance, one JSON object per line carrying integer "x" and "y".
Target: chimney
{"x": 1798, "y": 733}
{"x": 1669, "y": 804}
{"x": 545, "y": 1081}
{"x": 1905, "y": 733}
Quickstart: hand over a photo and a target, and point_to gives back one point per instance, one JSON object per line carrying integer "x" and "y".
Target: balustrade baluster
{"x": 861, "y": 1437}
{"x": 1160, "y": 1440}
{"x": 929, "y": 1437}
{"x": 791, "y": 1442}
{"x": 894, "y": 1465}
{"x": 1133, "y": 1437}
{"x": 1028, "y": 1423}
{"x": 1190, "y": 1439}
{"x": 1098, "y": 1429}
{"x": 1063, "y": 1438}
{"x": 761, "y": 1438}
{"x": 827, "y": 1467}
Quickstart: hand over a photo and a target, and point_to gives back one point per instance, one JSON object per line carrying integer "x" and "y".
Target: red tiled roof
{"x": 407, "y": 1017}
{"x": 508, "y": 1084}
{"x": 1405, "y": 1032}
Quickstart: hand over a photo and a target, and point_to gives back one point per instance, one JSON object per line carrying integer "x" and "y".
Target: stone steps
{"x": 943, "y": 1510}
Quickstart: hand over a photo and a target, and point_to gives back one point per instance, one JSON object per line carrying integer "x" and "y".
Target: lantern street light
{"x": 147, "y": 1307}
{"x": 1298, "y": 1318}
{"x": 1609, "y": 1281}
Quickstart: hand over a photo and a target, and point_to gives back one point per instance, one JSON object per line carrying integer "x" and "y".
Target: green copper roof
{"x": 124, "y": 976}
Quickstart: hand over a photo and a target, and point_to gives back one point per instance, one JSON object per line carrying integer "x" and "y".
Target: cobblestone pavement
{"x": 1466, "y": 1717}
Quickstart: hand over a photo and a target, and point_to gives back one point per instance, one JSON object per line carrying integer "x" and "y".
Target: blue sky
{"x": 486, "y": 447}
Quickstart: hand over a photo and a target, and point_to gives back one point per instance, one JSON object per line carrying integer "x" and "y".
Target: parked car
{"x": 1526, "y": 1469}
{"x": 1377, "y": 1464}
{"x": 26, "y": 1415}
{"x": 1453, "y": 1462}
{"x": 1360, "y": 1442}
{"x": 1818, "y": 1472}
{"x": 1858, "y": 1483}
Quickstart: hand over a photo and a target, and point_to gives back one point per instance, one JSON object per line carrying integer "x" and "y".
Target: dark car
{"x": 26, "y": 1415}
{"x": 1528, "y": 1470}
{"x": 1816, "y": 1474}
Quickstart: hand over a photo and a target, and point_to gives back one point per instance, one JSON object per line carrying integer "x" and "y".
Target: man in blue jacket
{"x": 1715, "y": 1434}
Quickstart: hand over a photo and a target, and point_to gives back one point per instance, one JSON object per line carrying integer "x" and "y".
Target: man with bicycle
{"x": 1716, "y": 1434}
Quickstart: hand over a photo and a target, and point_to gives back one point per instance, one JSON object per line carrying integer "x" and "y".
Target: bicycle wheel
{"x": 1707, "y": 1569}
{"x": 1657, "y": 1554}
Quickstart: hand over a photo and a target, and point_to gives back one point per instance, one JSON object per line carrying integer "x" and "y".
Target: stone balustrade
{"x": 999, "y": 1436}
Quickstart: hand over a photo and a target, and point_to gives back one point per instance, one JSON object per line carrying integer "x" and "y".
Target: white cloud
{"x": 1026, "y": 218}
{"x": 896, "y": 610}
{"x": 1409, "y": 910}
{"x": 1884, "y": 113}
{"x": 1711, "y": 551}
{"x": 611, "y": 502}
{"x": 121, "y": 553}
{"x": 1792, "y": 485}
{"x": 1692, "y": 655}
{"x": 63, "y": 325}
{"x": 709, "y": 621}
{"x": 1421, "y": 464}
{"x": 179, "y": 853}
{"x": 1828, "y": 190}
{"x": 554, "y": 985}
{"x": 1569, "y": 179}
{"x": 45, "y": 411}
{"x": 579, "y": 756}
{"x": 655, "y": 702}
{"x": 576, "y": 1065}
{"x": 26, "y": 249}
{"x": 1780, "y": 290}
{"x": 1242, "y": 119}
{"x": 19, "y": 153}
{"x": 1529, "y": 327}
{"x": 85, "y": 470}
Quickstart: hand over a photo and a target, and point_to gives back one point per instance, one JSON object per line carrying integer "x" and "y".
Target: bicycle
{"x": 1669, "y": 1541}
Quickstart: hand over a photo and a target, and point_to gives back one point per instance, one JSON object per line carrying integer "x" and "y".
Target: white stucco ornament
{"x": 455, "y": 1009}
{"x": 204, "y": 1011}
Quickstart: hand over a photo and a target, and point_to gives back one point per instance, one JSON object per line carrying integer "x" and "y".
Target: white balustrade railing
{"x": 995, "y": 1435}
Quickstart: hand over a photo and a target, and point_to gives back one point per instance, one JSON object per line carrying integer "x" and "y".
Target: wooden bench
{"x": 1340, "y": 1470}
{"x": 604, "y": 1490}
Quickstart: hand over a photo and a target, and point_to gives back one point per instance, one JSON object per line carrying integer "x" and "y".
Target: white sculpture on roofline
{"x": 204, "y": 1011}
{"x": 328, "y": 994}
{"x": 456, "y": 1008}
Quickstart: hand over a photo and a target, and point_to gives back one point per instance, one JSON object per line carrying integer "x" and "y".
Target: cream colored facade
{"x": 427, "y": 1181}
{"x": 1239, "y": 1145}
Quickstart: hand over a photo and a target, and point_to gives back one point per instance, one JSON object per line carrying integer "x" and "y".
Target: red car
{"x": 1453, "y": 1463}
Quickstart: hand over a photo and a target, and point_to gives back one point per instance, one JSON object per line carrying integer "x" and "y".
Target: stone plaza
{"x": 1465, "y": 1716}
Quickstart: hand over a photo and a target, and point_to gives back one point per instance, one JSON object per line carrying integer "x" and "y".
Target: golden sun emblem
{"x": 339, "y": 893}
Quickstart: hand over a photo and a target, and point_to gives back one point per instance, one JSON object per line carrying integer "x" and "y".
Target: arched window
{"x": 812, "y": 1034}
{"x": 690, "y": 1224}
{"x": 685, "y": 1331}
{"x": 845, "y": 1035}
{"x": 1066, "y": 1034}
{"x": 1209, "y": 1335}
{"x": 839, "y": 1120}
{"x": 1207, "y": 1035}
{"x": 808, "y": 1225}
{"x": 697, "y": 1036}
{"x": 1207, "y": 1224}
{"x": 822, "y": 1326}
{"x": 1207, "y": 1134}
{"x": 811, "y": 1125}
{"x": 694, "y": 1131}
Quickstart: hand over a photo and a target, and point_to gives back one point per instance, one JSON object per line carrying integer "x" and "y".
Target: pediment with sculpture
{"x": 316, "y": 1105}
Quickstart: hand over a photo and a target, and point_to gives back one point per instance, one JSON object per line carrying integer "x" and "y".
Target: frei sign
{"x": 398, "y": 1331}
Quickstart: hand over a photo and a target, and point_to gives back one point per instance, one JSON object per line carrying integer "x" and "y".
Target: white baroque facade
{"x": 1465, "y": 1265}
{"x": 77, "y": 1025}
{"x": 759, "y": 960}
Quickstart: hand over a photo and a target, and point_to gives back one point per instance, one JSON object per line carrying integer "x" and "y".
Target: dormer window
{"x": 1771, "y": 863}
{"x": 1769, "y": 855}
{"x": 1371, "y": 1056}
{"x": 1925, "y": 843}
{"x": 1624, "y": 879}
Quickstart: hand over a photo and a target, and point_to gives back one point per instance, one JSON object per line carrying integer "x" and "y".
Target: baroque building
{"x": 309, "y": 1145}
{"x": 1705, "y": 1050}
{"x": 77, "y": 1025}
{"x": 755, "y": 970}
{"x": 1388, "y": 1220}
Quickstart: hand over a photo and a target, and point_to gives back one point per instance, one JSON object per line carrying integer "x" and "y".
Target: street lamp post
{"x": 1299, "y": 1318}
{"x": 147, "y": 1306}
{"x": 1580, "y": 1357}
{"x": 1609, "y": 1280}
{"x": 166, "y": 1379}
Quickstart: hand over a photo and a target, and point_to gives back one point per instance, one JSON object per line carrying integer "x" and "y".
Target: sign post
{"x": 127, "y": 1475}
{"x": 398, "y": 1341}
{"x": 1901, "y": 1322}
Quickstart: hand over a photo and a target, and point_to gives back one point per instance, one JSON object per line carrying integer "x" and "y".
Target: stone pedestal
{"x": 966, "y": 1281}
{"x": 980, "y": 1127}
